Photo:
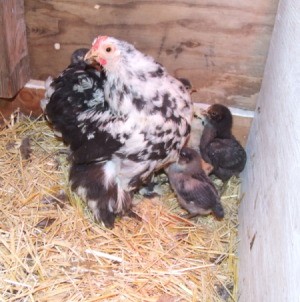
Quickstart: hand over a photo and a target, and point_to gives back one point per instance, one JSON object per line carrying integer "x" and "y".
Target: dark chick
{"x": 194, "y": 189}
{"x": 218, "y": 146}
{"x": 78, "y": 55}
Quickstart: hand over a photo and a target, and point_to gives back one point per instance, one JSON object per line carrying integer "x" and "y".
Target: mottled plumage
{"x": 194, "y": 189}
{"x": 218, "y": 146}
{"x": 78, "y": 91}
{"x": 123, "y": 123}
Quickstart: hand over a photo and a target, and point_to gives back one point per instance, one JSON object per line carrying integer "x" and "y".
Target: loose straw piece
{"x": 104, "y": 255}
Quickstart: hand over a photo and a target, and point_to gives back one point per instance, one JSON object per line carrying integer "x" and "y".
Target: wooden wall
{"x": 220, "y": 45}
{"x": 14, "y": 58}
{"x": 269, "y": 231}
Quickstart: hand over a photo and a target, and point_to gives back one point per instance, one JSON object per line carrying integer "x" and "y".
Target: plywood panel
{"x": 14, "y": 58}
{"x": 28, "y": 102}
{"x": 269, "y": 231}
{"x": 220, "y": 45}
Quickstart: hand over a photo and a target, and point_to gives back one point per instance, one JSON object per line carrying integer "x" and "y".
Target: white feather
{"x": 109, "y": 173}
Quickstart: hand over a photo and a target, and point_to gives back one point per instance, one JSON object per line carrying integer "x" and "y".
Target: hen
{"x": 122, "y": 122}
{"x": 218, "y": 146}
{"x": 194, "y": 189}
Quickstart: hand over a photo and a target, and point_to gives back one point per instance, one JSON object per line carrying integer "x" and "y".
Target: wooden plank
{"x": 28, "y": 102}
{"x": 241, "y": 127}
{"x": 220, "y": 45}
{"x": 269, "y": 225}
{"x": 14, "y": 63}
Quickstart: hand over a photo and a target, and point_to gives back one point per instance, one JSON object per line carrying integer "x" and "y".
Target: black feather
{"x": 67, "y": 103}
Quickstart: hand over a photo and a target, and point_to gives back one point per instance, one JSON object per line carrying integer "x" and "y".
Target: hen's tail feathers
{"x": 43, "y": 104}
{"x": 104, "y": 201}
{"x": 49, "y": 91}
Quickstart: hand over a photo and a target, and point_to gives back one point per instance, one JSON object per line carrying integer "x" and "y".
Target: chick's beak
{"x": 204, "y": 112}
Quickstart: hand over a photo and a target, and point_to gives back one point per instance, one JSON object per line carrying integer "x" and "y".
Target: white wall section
{"x": 269, "y": 230}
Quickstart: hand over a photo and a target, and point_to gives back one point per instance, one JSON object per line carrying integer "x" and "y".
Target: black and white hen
{"x": 218, "y": 146}
{"x": 195, "y": 191}
{"x": 127, "y": 121}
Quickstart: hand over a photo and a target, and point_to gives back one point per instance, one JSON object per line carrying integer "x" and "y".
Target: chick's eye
{"x": 108, "y": 49}
{"x": 182, "y": 154}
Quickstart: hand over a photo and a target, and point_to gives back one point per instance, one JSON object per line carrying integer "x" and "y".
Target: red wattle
{"x": 102, "y": 61}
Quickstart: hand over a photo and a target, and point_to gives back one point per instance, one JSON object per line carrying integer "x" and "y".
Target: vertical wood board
{"x": 14, "y": 62}
{"x": 269, "y": 225}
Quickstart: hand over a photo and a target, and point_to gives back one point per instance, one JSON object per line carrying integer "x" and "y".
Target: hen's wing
{"x": 79, "y": 88}
{"x": 76, "y": 104}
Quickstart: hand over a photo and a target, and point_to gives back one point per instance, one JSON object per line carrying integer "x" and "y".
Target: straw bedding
{"x": 51, "y": 250}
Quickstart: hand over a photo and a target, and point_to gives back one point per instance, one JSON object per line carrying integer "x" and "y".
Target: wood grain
{"x": 241, "y": 127}
{"x": 28, "y": 102}
{"x": 14, "y": 62}
{"x": 220, "y": 45}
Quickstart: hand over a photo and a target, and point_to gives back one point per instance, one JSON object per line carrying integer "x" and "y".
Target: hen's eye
{"x": 108, "y": 49}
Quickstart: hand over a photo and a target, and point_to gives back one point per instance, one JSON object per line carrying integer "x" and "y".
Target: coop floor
{"x": 51, "y": 250}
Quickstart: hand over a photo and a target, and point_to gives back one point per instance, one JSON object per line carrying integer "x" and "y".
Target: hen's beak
{"x": 90, "y": 56}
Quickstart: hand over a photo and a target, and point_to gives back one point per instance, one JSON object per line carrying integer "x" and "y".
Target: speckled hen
{"x": 138, "y": 118}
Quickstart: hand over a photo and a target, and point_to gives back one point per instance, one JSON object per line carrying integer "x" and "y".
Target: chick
{"x": 78, "y": 55}
{"x": 218, "y": 146}
{"x": 194, "y": 189}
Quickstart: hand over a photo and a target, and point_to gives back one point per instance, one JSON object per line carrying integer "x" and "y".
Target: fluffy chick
{"x": 218, "y": 146}
{"x": 194, "y": 189}
{"x": 78, "y": 55}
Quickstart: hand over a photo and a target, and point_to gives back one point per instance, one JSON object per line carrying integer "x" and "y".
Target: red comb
{"x": 98, "y": 41}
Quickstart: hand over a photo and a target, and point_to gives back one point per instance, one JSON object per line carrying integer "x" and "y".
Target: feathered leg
{"x": 88, "y": 181}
